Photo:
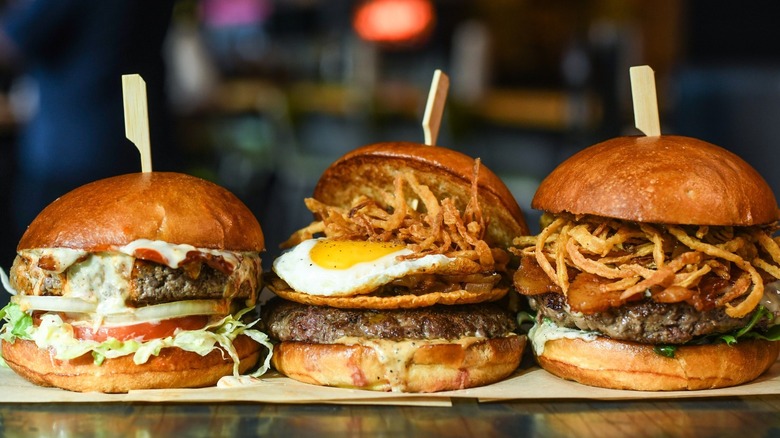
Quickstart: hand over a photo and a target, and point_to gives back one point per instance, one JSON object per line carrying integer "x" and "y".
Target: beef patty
{"x": 153, "y": 283}
{"x": 644, "y": 321}
{"x": 290, "y": 321}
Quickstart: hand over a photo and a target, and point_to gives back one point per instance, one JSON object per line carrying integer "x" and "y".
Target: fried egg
{"x": 345, "y": 268}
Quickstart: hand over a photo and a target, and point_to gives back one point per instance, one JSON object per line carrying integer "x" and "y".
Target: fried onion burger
{"x": 138, "y": 281}
{"x": 652, "y": 268}
{"x": 394, "y": 286}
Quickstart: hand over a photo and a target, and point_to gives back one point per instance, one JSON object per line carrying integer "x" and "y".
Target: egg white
{"x": 303, "y": 275}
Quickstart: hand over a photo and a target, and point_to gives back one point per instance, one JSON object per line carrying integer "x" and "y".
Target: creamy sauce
{"x": 173, "y": 254}
{"x": 103, "y": 278}
{"x": 57, "y": 259}
{"x": 396, "y": 356}
{"x": 548, "y": 331}
{"x": 771, "y": 300}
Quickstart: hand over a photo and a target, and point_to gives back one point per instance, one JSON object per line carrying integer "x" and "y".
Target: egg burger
{"x": 395, "y": 284}
{"x": 652, "y": 266}
{"x": 138, "y": 281}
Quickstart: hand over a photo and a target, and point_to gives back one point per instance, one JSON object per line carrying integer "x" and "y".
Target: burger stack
{"x": 144, "y": 280}
{"x": 395, "y": 285}
{"x": 655, "y": 267}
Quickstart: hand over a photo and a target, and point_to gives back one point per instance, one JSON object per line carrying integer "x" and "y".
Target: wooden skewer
{"x": 137, "y": 117}
{"x": 645, "y": 100}
{"x": 434, "y": 108}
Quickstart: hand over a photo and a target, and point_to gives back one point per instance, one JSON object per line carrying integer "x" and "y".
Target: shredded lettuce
{"x": 55, "y": 334}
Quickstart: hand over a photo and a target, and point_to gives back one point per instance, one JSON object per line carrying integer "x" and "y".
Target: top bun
{"x": 171, "y": 207}
{"x": 663, "y": 179}
{"x": 370, "y": 171}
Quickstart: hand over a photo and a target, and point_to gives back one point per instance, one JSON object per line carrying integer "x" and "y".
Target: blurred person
{"x": 74, "y": 53}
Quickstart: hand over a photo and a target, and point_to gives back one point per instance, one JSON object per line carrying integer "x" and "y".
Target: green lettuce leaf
{"x": 53, "y": 333}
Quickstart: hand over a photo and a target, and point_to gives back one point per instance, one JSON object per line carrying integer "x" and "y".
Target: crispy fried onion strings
{"x": 413, "y": 216}
{"x": 665, "y": 262}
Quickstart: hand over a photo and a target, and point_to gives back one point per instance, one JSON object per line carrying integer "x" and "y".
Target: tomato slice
{"x": 143, "y": 331}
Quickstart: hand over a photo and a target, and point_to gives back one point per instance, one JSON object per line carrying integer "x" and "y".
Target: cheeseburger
{"x": 394, "y": 286}
{"x": 652, "y": 270}
{"x": 138, "y": 281}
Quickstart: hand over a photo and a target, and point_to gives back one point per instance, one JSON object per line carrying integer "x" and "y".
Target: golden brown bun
{"x": 173, "y": 368}
{"x": 664, "y": 179}
{"x": 172, "y": 207}
{"x": 431, "y": 368}
{"x": 370, "y": 171}
{"x": 609, "y": 363}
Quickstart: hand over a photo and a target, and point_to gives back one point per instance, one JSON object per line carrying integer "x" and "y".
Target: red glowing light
{"x": 394, "y": 21}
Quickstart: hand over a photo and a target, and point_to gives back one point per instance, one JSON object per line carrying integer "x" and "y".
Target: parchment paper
{"x": 532, "y": 383}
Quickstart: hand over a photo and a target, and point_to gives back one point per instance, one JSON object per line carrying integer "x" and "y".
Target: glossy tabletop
{"x": 751, "y": 416}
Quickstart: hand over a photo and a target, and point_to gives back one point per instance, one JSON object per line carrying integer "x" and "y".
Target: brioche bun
{"x": 172, "y": 368}
{"x": 609, "y": 363}
{"x": 665, "y": 179}
{"x": 171, "y": 207}
{"x": 429, "y": 367}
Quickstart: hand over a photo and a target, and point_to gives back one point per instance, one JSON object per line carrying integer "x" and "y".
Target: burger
{"x": 398, "y": 283}
{"x": 137, "y": 281}
{"x": 654, "y": 267}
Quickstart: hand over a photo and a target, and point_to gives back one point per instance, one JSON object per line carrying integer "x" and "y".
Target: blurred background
{"x": 261, "y": 95}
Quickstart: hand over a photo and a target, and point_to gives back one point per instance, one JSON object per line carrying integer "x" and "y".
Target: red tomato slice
{"x": 143, "y": 331}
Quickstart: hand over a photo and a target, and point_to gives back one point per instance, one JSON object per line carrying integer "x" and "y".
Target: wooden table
{"x": 754, "y": 416}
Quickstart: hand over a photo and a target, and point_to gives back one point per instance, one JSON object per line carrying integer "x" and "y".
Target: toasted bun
{"x": 370, "y": 171}
{"x": 609, "y": 363}
{"x": 171, "y": 207}
{"x": 430, "y": 368}
{"x": 663, "y": 179}
{"x": 173, "y": 368}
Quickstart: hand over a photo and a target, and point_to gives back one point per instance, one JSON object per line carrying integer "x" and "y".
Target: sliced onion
{"x": 54, "y": 303}
{"x": 175, "y": 309}
{"x": 155, "y": 312}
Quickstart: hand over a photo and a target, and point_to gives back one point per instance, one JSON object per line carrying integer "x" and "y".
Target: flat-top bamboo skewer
{"x": 645, "y": 100}
{"x": 434, "y": 108}
{"x": 137, "y": 117}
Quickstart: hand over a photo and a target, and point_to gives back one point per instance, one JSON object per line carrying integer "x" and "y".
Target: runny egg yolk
{"x": 343, "y": 254}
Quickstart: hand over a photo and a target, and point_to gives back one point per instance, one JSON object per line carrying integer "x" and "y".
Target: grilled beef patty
{"x": 154, "y": 283}
{"x": 290, "y": 321}
{"x": 150, "y": 283}
{"x": 644, "y": 321}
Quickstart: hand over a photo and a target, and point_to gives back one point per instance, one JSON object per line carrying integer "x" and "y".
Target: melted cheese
{"x": 540, "y": 333}
{"x": 173, "y": 254}
{"x": 60, "y": 258}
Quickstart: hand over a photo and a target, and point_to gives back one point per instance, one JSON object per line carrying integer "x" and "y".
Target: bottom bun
{"x": 610, "y": 363}
{"x": 172, "y": 368}
{"x": 406, "y": 366}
